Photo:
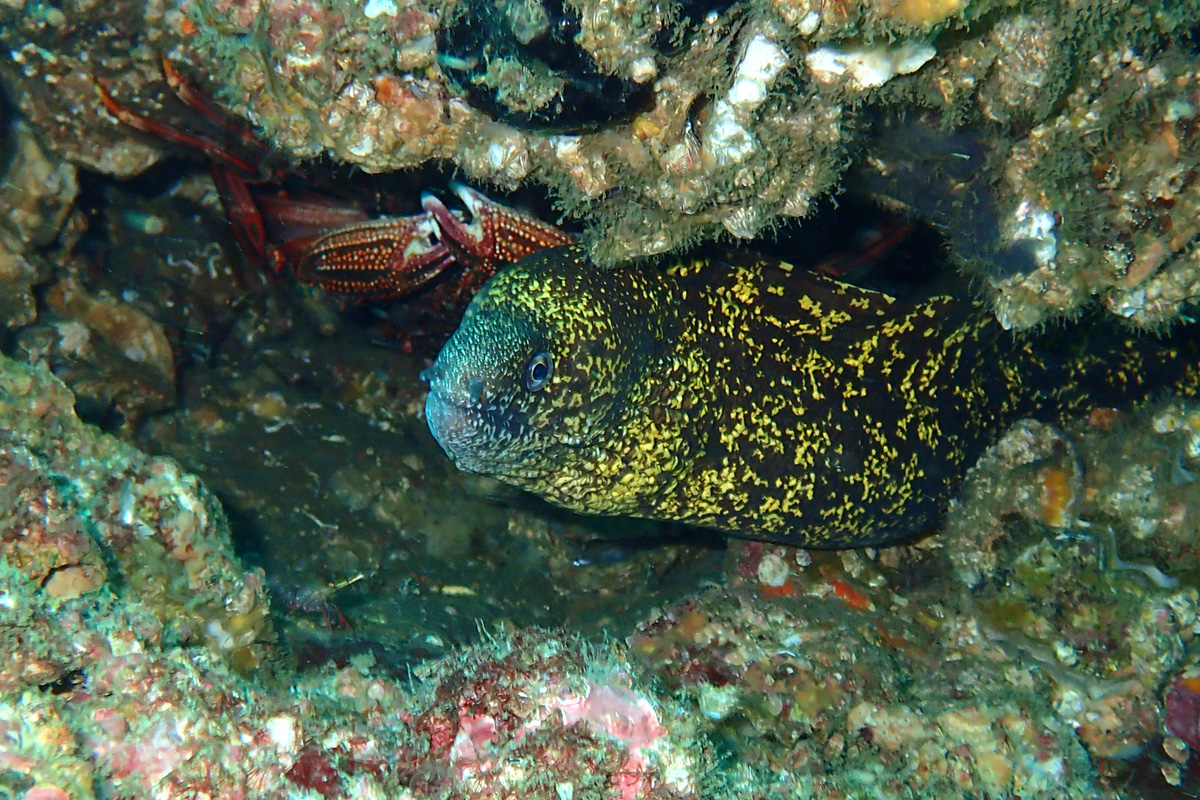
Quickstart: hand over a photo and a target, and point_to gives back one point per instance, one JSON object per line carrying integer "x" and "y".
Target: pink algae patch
{"x": 630, "y": 782}
{"x": 607, "y": 711}
{"x": 46, "y": 793}
{"x": 615, "y": 710}
{"x": 1183, "y": 711}
{"x": 473, "y": 733}
{"x": 624, "y": 715}
{"x": 150, "y": 755}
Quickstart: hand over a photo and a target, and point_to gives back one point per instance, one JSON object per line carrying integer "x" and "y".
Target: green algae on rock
{"x": 728, "y": 392}
{"x": 1086, "y": 109}
{"x": 86, "y": 511}
{"x": 1078, "y": 549}
{"x": 812, "y": 697}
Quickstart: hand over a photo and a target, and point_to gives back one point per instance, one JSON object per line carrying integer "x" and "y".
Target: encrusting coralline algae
{"x": 1039, "y": 646}
{"x": 827, "y": 680}
{"x": 739, "y": 116}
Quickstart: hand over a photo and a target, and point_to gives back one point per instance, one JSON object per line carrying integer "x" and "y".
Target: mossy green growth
{"x": 164, "y": 540}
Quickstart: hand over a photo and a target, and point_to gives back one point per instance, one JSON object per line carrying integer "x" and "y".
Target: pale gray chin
{"x": 451, "y": 426}
{"x": 470, "y": 445}
{"x": 460, "y": 433}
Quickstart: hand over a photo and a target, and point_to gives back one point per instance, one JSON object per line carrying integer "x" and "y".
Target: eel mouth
{"x": 478, "y": 437}
{"x": 451, "y": 425}
{"x": 478, "y": 428}
{"x": 448, "y": 413}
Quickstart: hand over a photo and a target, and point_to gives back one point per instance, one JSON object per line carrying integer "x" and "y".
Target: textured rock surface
{"x": 740, "y": 116}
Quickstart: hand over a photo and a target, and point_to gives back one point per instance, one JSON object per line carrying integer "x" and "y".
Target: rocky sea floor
{"x": 235, "y": 564}
{"x": 251, "y": 572}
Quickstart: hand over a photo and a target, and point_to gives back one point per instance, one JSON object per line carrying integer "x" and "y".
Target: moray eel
{"x": 746, "y": 395}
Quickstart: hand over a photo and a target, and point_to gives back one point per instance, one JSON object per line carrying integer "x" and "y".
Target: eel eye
{"x": 538, "y": 373}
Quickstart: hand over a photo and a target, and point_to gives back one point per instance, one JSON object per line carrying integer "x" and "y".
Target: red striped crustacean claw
{"x": 334, "y": 245}
{"x": 495, "y": 235}
{"x": 384, "y": 259}
{"x": 374, "y": 261}
{"x": 388, "y": 258}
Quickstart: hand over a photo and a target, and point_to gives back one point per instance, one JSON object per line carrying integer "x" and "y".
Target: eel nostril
{"x": 430, "y": 373}
{"x": 475, "y": 390}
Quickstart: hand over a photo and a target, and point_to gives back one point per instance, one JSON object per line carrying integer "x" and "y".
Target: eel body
{"x": 749, "y": 396}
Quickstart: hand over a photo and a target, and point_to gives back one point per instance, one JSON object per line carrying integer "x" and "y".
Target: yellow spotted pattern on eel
{"x": 791, "y": 407}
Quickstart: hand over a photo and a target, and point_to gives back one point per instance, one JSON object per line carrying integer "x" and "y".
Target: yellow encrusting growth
{"x": 926, "y": 12}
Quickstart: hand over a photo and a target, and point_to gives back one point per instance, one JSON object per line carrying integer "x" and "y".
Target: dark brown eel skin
{"x": 747, "y": 395}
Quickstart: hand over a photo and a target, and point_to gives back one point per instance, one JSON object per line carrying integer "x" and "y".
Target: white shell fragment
{"x": 809, "y": 23}
{"x": 281, "y": 729}
{"x": 643, "y": 69}
{"x": 726, "y": 139}
{"x": 868, "y": 68}
{"x": 1035, "y": 224}
{"x": 772, "y": 571}
{"x": 744, "y": 223}
{"x": 764, "y": 59}
{"x": 377, "y": 8}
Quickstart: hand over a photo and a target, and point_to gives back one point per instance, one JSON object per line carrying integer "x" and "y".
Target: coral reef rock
{"x": 659, "y": 124}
